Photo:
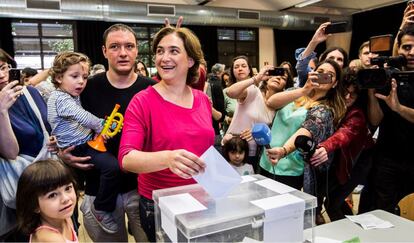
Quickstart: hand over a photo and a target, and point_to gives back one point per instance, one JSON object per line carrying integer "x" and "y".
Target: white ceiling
{"x": 332, "y": 7}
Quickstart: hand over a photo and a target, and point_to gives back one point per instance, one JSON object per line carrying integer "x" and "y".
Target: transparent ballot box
{"x": 259, "y": 209}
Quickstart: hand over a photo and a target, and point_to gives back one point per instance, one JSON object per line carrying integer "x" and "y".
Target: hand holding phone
{"x": 276, "y": 72}
{"x": 14, "y": 74}
{"x": 324, "y": 78}
{"x": 337, "y": 27}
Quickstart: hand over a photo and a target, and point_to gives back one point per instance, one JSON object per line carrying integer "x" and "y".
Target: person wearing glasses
{"x": 24, "y": 138}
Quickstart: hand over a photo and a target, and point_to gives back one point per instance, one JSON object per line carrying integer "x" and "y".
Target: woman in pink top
{"x": 169, "y": 125}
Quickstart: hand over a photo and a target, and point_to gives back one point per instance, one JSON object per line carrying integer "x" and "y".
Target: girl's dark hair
{"x": 236, "y": 143}
{"x": 223, "y": 84}
{"x": 289, "y": 79}
{"x": 232, "y": 77}
{"x": 145, "y": 66}
{"x": 36, "y": 180}
{"x": 291, "y": 69}
{"x": 331, "y": 49}
{"x": 350, "y": 77}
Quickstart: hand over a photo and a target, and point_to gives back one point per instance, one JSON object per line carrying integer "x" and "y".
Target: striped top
{"x": 71, "y": 124}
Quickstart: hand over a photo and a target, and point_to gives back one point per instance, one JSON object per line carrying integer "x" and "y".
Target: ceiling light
{"x": 306, "y": 3}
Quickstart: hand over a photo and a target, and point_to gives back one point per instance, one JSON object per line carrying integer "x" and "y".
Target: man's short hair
{"x": 117, "y": 27}
{"x": 407, "y": 30}
{"x": 366, "y": 43}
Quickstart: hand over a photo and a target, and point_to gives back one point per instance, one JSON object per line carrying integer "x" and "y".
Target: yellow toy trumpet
{"x": 99, "y": 142}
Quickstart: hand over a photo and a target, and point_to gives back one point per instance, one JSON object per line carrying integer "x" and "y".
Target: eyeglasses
{"x": 5, "y": 68}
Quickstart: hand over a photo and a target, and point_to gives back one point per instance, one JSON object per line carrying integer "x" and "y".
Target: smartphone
{"x": 380, "y": 44}
{"x": 324, "y": 78}
{"x": 14, "y": 74}
{"x": 336, "y": 27}
{"x": 276, "y": 72}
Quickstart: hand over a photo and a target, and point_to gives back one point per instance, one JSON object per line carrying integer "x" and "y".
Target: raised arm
{"x": 317, "y": 38}
{"x": 281, "y": 99}
{"x": 40, "y": 77}
{"x": 9, "y": 147}
{"x": 408, "y": 18}
{"x": 239, "y": 89}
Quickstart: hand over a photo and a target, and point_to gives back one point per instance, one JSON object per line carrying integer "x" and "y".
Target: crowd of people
{"x": 170, "y": 120}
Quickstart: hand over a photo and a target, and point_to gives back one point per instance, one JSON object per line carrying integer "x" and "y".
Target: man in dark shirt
{"x": 394, "y": 114}
{"x": 116, "y": 86}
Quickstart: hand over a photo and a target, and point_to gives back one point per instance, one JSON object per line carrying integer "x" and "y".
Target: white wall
{"x": 267, "y": 51}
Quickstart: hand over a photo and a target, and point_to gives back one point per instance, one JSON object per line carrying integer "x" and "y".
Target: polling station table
{"x": 345, "y": 229}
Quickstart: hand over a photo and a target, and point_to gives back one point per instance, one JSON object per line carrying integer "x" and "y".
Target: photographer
{"x": 394, "y": 114}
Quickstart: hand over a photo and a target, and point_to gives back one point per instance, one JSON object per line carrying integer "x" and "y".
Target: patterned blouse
{"x": 319, "y": 122}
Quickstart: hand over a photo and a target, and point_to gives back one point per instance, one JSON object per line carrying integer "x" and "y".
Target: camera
{"x": 337, "y": 27}
{"x": 380, "y": 78}
{"x": 276, "y": 72}
{"x": 324, "y": 78}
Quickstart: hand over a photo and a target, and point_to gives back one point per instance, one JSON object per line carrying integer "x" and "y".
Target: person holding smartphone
{"x": 251, "y": 102}
{"x": 304, "y": 55}
{"x": 24, "y": 138}
{"x": 314, "y": 111}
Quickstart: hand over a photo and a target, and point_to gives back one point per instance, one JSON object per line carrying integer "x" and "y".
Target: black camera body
{"x": 380, "y": 78}
{"x": 388, "y": 67}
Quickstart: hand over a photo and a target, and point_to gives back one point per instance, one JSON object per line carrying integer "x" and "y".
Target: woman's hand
{"x": 320, "y": 35}
{"x": 311, "y": 83}
{"x": 246, "y": 134}
{"x": 227, "y": 120}
{"x": 319, "y": 157}
{"x": 262, "y": 74}
{"x": 74, "y": 161}
{"x": 275, "y": 154}
{"x": 9, "y": 95}
{"x": 185, "y": 164}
